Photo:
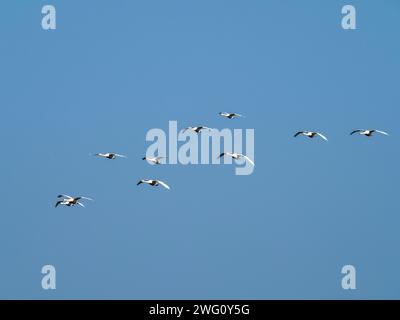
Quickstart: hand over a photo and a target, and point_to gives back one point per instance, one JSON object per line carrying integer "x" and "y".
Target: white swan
{"x": 230, "y": 115}
{"x": 154, "y": 183}
{"x": 111, "y": 156}
{"x": 70, "y": 201}
{"x": 310, "y": 134}
{"x": 196, "y": 129}
{"x": 368, "y": 133}
{"x": 236, "y": 156}
{"x": 155, "y": 160}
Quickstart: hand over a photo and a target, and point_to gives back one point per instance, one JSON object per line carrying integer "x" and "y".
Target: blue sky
{"x": 115, "y": 69}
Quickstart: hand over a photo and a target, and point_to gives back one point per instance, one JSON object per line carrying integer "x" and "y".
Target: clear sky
{"x": 115, "y": 69}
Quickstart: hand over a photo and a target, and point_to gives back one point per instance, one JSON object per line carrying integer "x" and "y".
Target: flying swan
{"x": 70, "y": 201}
{"x": 237, "y": 156}
{"x": 310, "y": 134}
{"x": 230, "y": 115}
{"x": 111, "y": 156}
{"x": 196, "y": 129}
{"x": 154, "y": 183}
{"x": 155, "y": 160}
{"x": 368, "y": 133}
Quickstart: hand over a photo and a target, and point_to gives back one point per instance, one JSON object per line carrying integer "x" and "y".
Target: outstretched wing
{"x": 382, "y": 132}
{"x": 87, "y": 198}
{"x": 355, "y": 131}
{"x": 140, "y": 182}
{"x": 64, "y": 196}
{"x": 322, "y": 136}
{"x": 58, "y": 203}
{"x": 81, "y": 204}
{"x": 164, "y": 185}
{"x": 249, "y": 160}
{"x": 298, "y": 133}
{"x": 120, "y": 155}
{"x": 222, "y": 155}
